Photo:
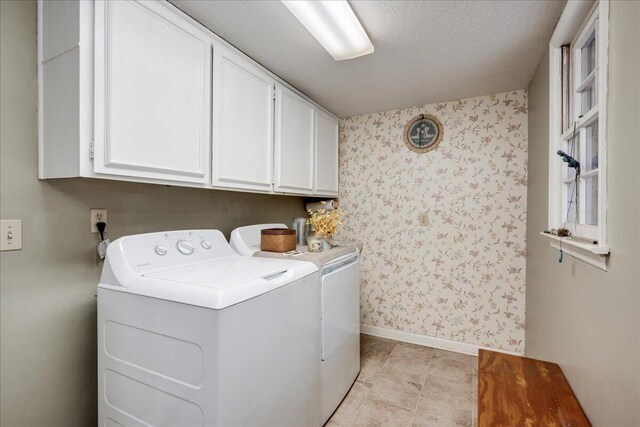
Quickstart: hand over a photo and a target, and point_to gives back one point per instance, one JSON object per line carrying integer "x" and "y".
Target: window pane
{"x": 588, "y": 99}
{"x": 570, "y": 212}
{"x": 589, "y": 56}
{"x": 592, "y": 147}
{"x": 573, "y": 149}
{"x": 592, "y": 200}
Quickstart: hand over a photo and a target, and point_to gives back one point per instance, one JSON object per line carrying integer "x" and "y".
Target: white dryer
{"x": 192, "y": 334}
{"x": 340, "y": 310}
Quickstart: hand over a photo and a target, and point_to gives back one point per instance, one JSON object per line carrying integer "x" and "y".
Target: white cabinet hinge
{"x": 274, "y": 92}
{"x": 91, "y": 150}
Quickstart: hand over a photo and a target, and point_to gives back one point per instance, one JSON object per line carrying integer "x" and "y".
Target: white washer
{"x": 192, "y": 334}
{"x": 340, "y": 342}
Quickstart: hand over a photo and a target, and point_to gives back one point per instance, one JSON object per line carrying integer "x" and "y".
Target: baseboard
{"x": 442, "y": 344}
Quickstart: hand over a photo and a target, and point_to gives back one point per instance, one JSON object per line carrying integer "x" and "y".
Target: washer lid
{"x": 223, "y": 273}
{"x": 221, "y": 282}
{"x": 196, "y": 267}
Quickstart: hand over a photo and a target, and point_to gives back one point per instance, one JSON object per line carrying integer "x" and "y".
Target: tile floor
{"x": 403, "y": 384}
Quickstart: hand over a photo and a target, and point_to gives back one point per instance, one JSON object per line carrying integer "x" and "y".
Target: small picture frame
{"x": 423, "y": 133}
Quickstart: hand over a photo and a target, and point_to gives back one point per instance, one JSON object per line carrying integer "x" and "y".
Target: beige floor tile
{"x": 376, "y": 413}
{"x": 370, "y": 341}
{"x": 371, "y": 365}
{"x": 443, "y": 354}
{"x": 454, "y": 393}
{"x": 397, "y": 377}
{"x": 452, "y": 369}
{"x": 474, "y": 400}
{"x": 441, "y": 414}
{"x": 374, "y": 353}
{"x": 346, "y": 412}
{"x": 405, "y": 368}
{"x": 408, "y": 362}
{"x": 416, "y": 352}
{"x": 398, "y": 391}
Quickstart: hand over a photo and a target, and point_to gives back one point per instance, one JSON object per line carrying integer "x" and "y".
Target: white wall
{"x": 583, "y": 318}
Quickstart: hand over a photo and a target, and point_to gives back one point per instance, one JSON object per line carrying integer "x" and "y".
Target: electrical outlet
{"x": 424, "y": 219}
{"x": 97, "y": 215}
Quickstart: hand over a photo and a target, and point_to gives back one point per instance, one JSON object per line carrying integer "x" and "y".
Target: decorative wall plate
{"x": 423, "y": 133}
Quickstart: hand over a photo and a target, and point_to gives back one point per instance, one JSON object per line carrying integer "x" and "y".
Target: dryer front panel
{"x": 340, "y": 306}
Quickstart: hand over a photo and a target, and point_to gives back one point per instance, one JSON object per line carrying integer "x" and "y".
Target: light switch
{"x": 10, "y": 235}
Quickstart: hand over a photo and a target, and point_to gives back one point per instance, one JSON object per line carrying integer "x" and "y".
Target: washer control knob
{"x": 185, "y": 247}
{"x": 205, "y": 244}
{"x": 160, "y": 250}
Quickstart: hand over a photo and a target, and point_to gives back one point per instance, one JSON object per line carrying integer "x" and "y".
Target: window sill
{"x": 595, "y": 255}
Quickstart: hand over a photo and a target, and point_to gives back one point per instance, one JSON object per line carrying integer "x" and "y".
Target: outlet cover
{"x": 97, "y": 215}
{"x": 424, "y": 219}
{"x": 10, "y": 235}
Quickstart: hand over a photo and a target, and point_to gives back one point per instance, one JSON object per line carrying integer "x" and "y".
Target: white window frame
{"x": 574, "y": 27}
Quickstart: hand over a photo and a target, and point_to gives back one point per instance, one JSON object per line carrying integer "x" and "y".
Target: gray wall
{"x": 586, "y": 319}
{"x": 48, "y": 307}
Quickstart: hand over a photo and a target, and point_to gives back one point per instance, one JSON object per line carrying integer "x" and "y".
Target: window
{"x": 578, "y": 53}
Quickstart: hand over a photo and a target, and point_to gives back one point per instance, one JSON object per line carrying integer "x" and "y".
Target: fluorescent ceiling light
{"x": 334, "y": 25}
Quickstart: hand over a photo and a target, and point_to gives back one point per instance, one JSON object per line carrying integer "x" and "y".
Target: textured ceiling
{"x": 425, "y": 52}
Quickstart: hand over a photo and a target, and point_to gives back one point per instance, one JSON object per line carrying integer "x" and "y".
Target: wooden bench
{"x": 518, "y": 391}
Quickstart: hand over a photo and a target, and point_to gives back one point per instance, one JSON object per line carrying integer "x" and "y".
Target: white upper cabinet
{"x": 326, "y": 155}
{"x": 138, "y": 91}
{"x": 152, "y": 93}
{"x": 242, "y": 123}
{"x": 294, "y": 143}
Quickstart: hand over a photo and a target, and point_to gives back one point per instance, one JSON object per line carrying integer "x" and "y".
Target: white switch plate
{"x": 98, "y": 215}
{"x": 10, "y": 235}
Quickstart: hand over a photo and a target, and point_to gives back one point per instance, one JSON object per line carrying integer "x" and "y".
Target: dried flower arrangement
{"x": 325, "y": 222}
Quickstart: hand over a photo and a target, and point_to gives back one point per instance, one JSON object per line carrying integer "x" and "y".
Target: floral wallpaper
{"x": 443, "y": 232}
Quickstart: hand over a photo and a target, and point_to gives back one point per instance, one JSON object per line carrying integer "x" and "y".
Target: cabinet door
{"x": 326, "y": 156}
{"x": 243, "y": 123}
{"x": 152, "y": 93}
{"x": 294, "y": 143}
